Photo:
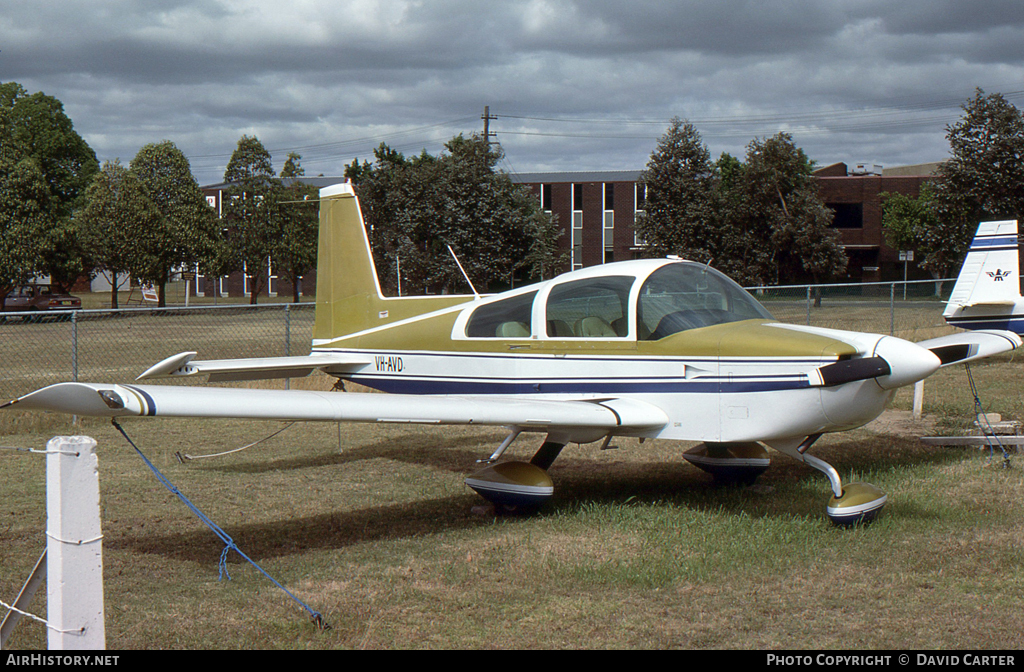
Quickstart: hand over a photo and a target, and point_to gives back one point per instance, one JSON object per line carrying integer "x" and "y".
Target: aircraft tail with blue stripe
{"x": 987, "y": 291}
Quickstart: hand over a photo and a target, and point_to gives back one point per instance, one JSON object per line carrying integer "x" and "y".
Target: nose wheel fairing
{"x": 859, "y": 503}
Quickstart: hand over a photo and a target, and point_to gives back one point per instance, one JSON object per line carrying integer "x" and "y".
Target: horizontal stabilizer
{"x": 259, "y": 368}
{"x": 104, "y": 400}
{"x": 993, "y": 302}
{"x": 971, "y": 345}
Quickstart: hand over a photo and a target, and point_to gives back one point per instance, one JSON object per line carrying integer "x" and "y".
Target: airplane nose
{"x": 908, "y": 362}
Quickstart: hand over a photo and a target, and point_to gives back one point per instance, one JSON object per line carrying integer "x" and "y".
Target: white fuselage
{"x": 718, "y": 399}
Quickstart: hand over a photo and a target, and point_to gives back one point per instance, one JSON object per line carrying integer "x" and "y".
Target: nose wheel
{"x": 859, "y": 503}
{"x": 853, "y": 504}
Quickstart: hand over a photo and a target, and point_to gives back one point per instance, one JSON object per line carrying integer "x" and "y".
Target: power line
{"x": 908, "y": 105}
{"x": 338, "y": 150}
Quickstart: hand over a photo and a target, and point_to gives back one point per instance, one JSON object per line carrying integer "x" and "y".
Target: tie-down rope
{"x": 229, "y": 543}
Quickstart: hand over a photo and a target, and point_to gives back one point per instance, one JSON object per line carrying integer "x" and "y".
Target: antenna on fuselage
{"x": 464, "y": 274}
{"x": 704, "y": 275}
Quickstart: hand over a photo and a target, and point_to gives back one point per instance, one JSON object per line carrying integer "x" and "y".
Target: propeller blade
{"x": 850, "y": 370}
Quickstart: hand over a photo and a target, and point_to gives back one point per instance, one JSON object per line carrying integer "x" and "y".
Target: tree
{"x": 250, "y": 208}
{"x": 249, "y": 162}
{"x": 910, "y": 223}
{"x": 416, "y": 208}
{"x": 903, "y": 219}
{"x": 938, "y": 230}
{"x": 778, "y": 226}
{"x": 25, "y": 210}
{"x": 496, "y": 228}
{"x": 681, "y": 213}
{"x": 292, "y": 167}
{"x": 120, "y": 228}
{"x": 38, "y": 123}
{"x": 295, "y": 250}
{"x": 982, "y": 180}
{"x": 984, "y": 177}
{"x": 190, "y": 223}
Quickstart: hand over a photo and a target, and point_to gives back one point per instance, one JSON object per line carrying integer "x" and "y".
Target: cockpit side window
{"x": 682, "y": 296}
{"x": 590, "y": 308}
{"x": 508, "y": 318}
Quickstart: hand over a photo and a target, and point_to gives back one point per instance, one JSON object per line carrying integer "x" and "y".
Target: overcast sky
{"x": 575, "y": 85}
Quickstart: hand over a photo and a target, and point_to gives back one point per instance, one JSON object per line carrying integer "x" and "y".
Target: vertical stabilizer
{"x": 987, "y": 290}
{"x": 348, "y": 295}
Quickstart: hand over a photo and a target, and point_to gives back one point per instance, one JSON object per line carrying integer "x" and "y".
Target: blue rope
{"x": 979, "y": 412}
{"x": 229, "y": 543}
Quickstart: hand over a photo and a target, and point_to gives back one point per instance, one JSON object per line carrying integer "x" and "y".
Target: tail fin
{"x": 348, "y": 295}
{"x": 988, "y": 287}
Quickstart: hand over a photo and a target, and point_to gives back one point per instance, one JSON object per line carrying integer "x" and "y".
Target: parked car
{"x": 39, "y": 297}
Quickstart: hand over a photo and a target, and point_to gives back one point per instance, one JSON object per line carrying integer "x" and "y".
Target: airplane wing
{"x": 259, "y": 368}
{"x": 971, "y": 345}
{"x": 109, "y": 400}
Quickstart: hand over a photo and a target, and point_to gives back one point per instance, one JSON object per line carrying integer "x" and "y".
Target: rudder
{"x": 348, "y": 294}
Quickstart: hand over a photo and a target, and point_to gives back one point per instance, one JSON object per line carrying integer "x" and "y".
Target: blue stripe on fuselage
{"x": 1014, "y": 323}
{"x": 409, "y": 385}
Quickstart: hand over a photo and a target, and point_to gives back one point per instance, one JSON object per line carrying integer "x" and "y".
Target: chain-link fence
{"x": 115, "y": 346}
{"x": 910, "y": 310}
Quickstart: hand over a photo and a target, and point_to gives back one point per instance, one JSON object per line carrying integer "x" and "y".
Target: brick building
{"x": 597, "y": 211}
{"x": 856, "y": 198}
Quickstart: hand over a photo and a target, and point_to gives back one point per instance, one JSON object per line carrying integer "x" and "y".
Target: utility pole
{"x": 487, "y": 124}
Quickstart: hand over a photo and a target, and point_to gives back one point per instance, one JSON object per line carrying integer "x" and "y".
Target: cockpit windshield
{"x": 682, "y": 296}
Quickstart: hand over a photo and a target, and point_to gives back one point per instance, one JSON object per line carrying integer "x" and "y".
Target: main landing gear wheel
{"x": 859, "y": 503}
{"x": 517, "y": 487}
{"x": 513, "y": 487}
{"x": 730, "y": 463}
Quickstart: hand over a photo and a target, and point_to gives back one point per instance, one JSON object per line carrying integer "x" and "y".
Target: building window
{"x": 641, "y": 204}
{"x": 609, "y": 222}
{"x": 577, "y": 226}
{"x": 847, "y": 215}
{"x": 545, "y": 197}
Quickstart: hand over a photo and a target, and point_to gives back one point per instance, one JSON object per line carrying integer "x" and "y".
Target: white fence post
{"x": 74, "y": 550}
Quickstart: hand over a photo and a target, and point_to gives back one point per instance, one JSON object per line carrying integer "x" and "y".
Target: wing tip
{"x": 169, "y": 366}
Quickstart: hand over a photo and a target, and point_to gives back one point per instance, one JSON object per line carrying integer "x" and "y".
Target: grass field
{"x": 373, "y": 527}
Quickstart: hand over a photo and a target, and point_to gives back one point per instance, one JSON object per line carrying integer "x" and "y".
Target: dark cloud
{"x": 944, "y": 17}
{"x": 870, "y": 80}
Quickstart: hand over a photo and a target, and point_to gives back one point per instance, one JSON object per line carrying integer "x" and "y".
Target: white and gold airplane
{"x": 655, "y": 349}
